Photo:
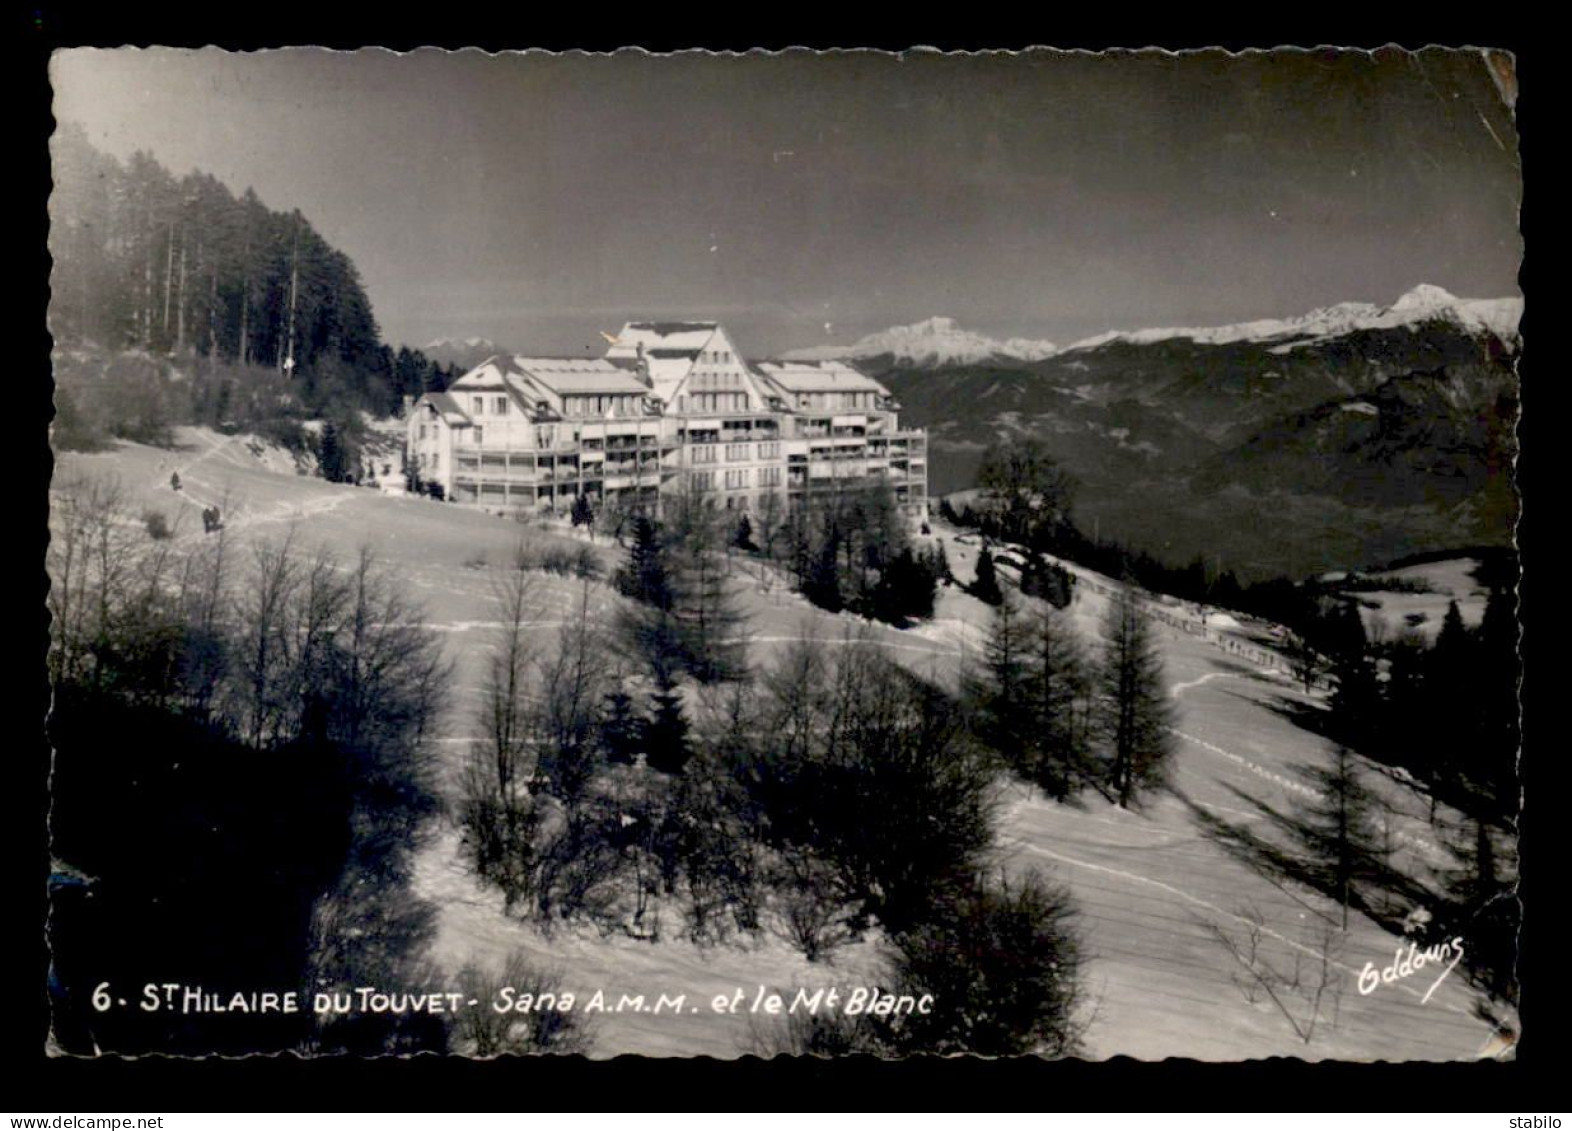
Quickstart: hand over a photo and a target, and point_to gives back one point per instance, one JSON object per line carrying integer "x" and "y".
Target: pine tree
{"x": 938, "y": 563}
{"x": 905, "y": 590}
{"x": 986, "y": 586}
{"x": 1446, "y": 722}
{"x": 1134, "y": 706}
{"x": 649, "y": 625}
{"x": 712, "y": 627}
{"x": 1059, "y": 687}
{"x": 621, "y": 728}
{"x": 666, "y": 743}
{"x": 646, "y": 577}
{"x": 822, "y": 582}
{"x": 583, "y": 515}
{"x": 331, "y": 456}
{"x": 1337, "y": 830}
{"x": 1003, "y": 701}
{"x": 1051, "y": 582}
{"x": 1496, "y": 772}
{"x": 742, "y": 537}
{"x": 1356, "y": 694}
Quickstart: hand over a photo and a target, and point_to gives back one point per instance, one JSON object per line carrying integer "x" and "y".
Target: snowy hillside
{"x": 1158, "y": 898}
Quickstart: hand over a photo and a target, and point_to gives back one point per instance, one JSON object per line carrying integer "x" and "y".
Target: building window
{"x": 704, "y": 480}
{"x": 736, "y": 451}
{"x": 736, "y": 479}
{"x": 769, "y": 477}
{"x": 477, "y": 405}
{"x": 704, "y": 453}
{"x": 502, "y": 406}
{"x": 422, "y": 431}
{"x": 436, "y": 460}
{"x": 479, "y": 435}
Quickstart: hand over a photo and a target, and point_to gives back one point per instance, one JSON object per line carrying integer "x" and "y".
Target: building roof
{"x": 580, "y": 375}
{"x": 448, "y": 406}
{"x": 666, "y": 328}
{"x": 819, "y": 377}
{"x": 664, "y": 336}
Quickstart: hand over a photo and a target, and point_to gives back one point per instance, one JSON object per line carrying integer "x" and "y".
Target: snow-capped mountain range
{"x": 934, "y": 341}
{"x": 465, "y": 352}
{"x": 1425, "y": 303}
{"x": 938, "y": 341}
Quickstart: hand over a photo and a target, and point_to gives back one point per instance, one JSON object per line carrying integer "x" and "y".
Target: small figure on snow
{"x": 174, "y": 480}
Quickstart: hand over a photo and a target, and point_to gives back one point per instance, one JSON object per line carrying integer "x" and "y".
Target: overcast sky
{"x": 804, "y": 199}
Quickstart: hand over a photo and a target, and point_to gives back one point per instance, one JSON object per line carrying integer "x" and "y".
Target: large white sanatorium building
{"x": 672, "y": 406}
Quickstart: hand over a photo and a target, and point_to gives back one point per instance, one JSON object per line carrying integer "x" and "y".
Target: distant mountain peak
{"x": 1425, "y": 302}
{"x": 937, "y": 340}
{"x": 466, "y": 352}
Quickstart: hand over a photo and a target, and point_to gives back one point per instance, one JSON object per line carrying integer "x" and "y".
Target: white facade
{"x": 672, "y": 406}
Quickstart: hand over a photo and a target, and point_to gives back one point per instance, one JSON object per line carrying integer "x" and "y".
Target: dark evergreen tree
{"x": 742, "y": 536}
{"x": 621, "y": 729}
{"x": 1051, "y": 582}
{"x": 1058, "y": 687}
{"x": 712, "y": 627}
{"x": 647, "y": 577}
{"x": 1336, "y": 830}
{"x": 666, "y": 735}
{"x": 822, "y": 582}
{"x": 986, "y": 585}
{"x": 1003, "y": 703}
{"x": 583, "y": 514}
{"x": 938, "y": 563}
{"x": 1134, "y": 707}
{"x": 1356, "y": 692}
{"x": 1447, "y": 723}
{"x": 905, "y": 591}
{"x": 1495, "y": 769}
{"x": 332, "y": 459}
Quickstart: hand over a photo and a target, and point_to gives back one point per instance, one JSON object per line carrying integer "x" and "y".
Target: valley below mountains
{"x": 1347, "y": 437}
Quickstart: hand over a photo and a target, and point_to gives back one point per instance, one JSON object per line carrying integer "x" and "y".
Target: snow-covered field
{"x": 1391, "y": 613}
{"x": 1153, "y": 891}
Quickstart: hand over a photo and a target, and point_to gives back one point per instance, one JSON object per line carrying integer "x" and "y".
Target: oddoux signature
{"x": 1405, "y": 965}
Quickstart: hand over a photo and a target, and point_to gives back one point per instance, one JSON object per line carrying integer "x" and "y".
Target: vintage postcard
{"x": 812, "y": 552}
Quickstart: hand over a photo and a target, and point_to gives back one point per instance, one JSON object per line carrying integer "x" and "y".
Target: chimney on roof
{"x": 644, "y": 367}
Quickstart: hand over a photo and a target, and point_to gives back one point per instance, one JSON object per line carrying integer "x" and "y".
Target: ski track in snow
{"x": 1179, "y": 688}
{"x": 1179, "y": 893}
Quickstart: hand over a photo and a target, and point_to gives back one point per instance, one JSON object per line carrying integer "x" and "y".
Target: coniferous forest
{"x": 174, "y": 301}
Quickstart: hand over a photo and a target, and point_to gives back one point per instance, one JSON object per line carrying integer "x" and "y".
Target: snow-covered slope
{"x": 934, "y": 341}
{"x": 1425, "y": 303}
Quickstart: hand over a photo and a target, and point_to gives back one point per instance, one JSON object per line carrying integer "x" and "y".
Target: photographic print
{"x": 802, "y": 552}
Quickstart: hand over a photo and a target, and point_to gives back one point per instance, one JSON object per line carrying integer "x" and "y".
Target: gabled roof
{"x": 448, "y": 406}
{"x": 666, "y": 328}
{"x": 664, "y": 336}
